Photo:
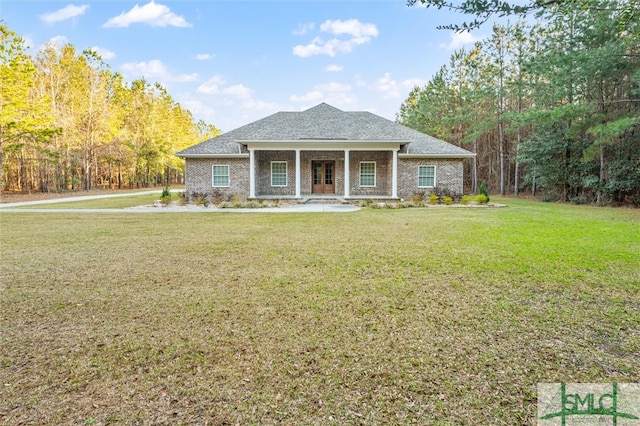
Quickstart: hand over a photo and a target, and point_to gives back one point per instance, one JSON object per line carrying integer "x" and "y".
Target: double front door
{"x": 324, "y": 181}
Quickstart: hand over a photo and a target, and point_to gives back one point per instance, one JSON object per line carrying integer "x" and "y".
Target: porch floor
{"x": 323, "y": 198}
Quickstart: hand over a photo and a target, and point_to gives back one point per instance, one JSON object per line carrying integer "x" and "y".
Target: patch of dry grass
{"x": 414, "y": 316}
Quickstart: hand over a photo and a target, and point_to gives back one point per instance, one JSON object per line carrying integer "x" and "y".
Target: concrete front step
{"x": 325, "y": 201}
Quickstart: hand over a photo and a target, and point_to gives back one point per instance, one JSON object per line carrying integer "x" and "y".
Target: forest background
{"x": 68, "y": 122}
{"x": 549, "y": 103}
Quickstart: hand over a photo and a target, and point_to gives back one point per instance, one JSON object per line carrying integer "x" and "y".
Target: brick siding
{"x": 449, "y": 174}
{"x": 198, "y": 177}
{"x": 263, "y": 161}
{"x": 383, "y": 161}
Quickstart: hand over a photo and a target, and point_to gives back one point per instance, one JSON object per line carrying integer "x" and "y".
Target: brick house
{"x": 323, "y": 152}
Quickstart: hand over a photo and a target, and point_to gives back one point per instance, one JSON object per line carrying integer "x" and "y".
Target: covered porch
{"x": 323, "y": 170}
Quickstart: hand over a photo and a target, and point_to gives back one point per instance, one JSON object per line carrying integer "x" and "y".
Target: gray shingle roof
{"x": 421, "y": 143}
{"x": 323, "y": 122}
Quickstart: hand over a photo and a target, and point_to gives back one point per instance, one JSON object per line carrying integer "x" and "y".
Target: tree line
{"x": 68, "y": 122}
{"x": 551, "y": 107}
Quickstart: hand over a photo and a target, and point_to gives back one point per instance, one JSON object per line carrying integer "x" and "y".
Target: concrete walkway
{"x": 297, "y": 208}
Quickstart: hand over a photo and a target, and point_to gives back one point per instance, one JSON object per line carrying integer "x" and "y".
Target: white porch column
{"x": 394, "y": 175}
{"x": 298, "y": 177}
{"x": 347, "y": 179}
{"x": 252, "y": 174}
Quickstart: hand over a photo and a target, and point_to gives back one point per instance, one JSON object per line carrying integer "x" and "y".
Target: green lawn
{"x": 102, "y": 203}
{"x": 412, "y": 316}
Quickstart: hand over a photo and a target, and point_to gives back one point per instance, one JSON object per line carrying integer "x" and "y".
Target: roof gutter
{"x": 238, "y": 155}
{"x": 313, "y": 140}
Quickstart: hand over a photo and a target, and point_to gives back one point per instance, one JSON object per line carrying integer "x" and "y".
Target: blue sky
{"x": 233, "y": 62}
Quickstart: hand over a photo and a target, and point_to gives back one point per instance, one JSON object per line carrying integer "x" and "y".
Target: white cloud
{"x": 459, "y": 40}
{"x": 333, "y": 68}
{"x": 255, "y": 105}
{"x": 388, "y": 86}
{"x": 235, "y": 97}
{"x": 304, "y": 28}
{"x": 104, "y": 53}
{"x": 338, "y": 94}
{"x": 156, "y": 15}
{"x": 358, "y": 32}
{"x": 211, "y": 86}
{"x": 342, "y": 99}
{"x": 65, "y": 13}
{"x": 360, "y": 82}
{"x": 352, "y": 27}
{"x": 321, "y": 47}
{"x": 199, "y": 109}
{"x": 204, "y": 56}
{"x": 58, "y": 41}
{"x": 155, "y": 70}
{"x": 312, "y": 96}
{"x": 409, "y": 84}
{"x": 238, "y": 90}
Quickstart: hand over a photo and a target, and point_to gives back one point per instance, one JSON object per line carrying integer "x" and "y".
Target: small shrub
{"x": 252, "y": 205}
{"x": 200, "y": 200}
{"x": 635, "y": 200}
{"x": 237, "y": 204}
{"x": 466, "y": 199}
{"x": 481, "y": 199}
{"x": 447, "y": 200}
{"x": 224, "y": 205}
{"x": 166, "y": 199}
{"x": 165, "y": 192}
{"x": 375, "y": 206}
{"x": 434, "y": 199}
{"x": 443, "y": 191}
{"x": 417, "y": 199}
{"x": 215, "y": 196}
{"x": 389, "y": 206}
{"x": 366, "y": 203}
{"x": 234, "y": 199}
{"x": 484, "y": 191}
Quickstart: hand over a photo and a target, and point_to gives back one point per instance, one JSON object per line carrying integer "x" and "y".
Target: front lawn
{"x": 411, "y": 316}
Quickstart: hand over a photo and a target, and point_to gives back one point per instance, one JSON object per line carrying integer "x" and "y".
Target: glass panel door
{"x": 323, "y": 177}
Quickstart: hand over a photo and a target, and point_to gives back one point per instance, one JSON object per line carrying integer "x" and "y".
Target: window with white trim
{"x": 278, "y": 173}
{"x": 367, "y": 173}
{"x": 220, "y": 175}
{"x": 426, "y": 176}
